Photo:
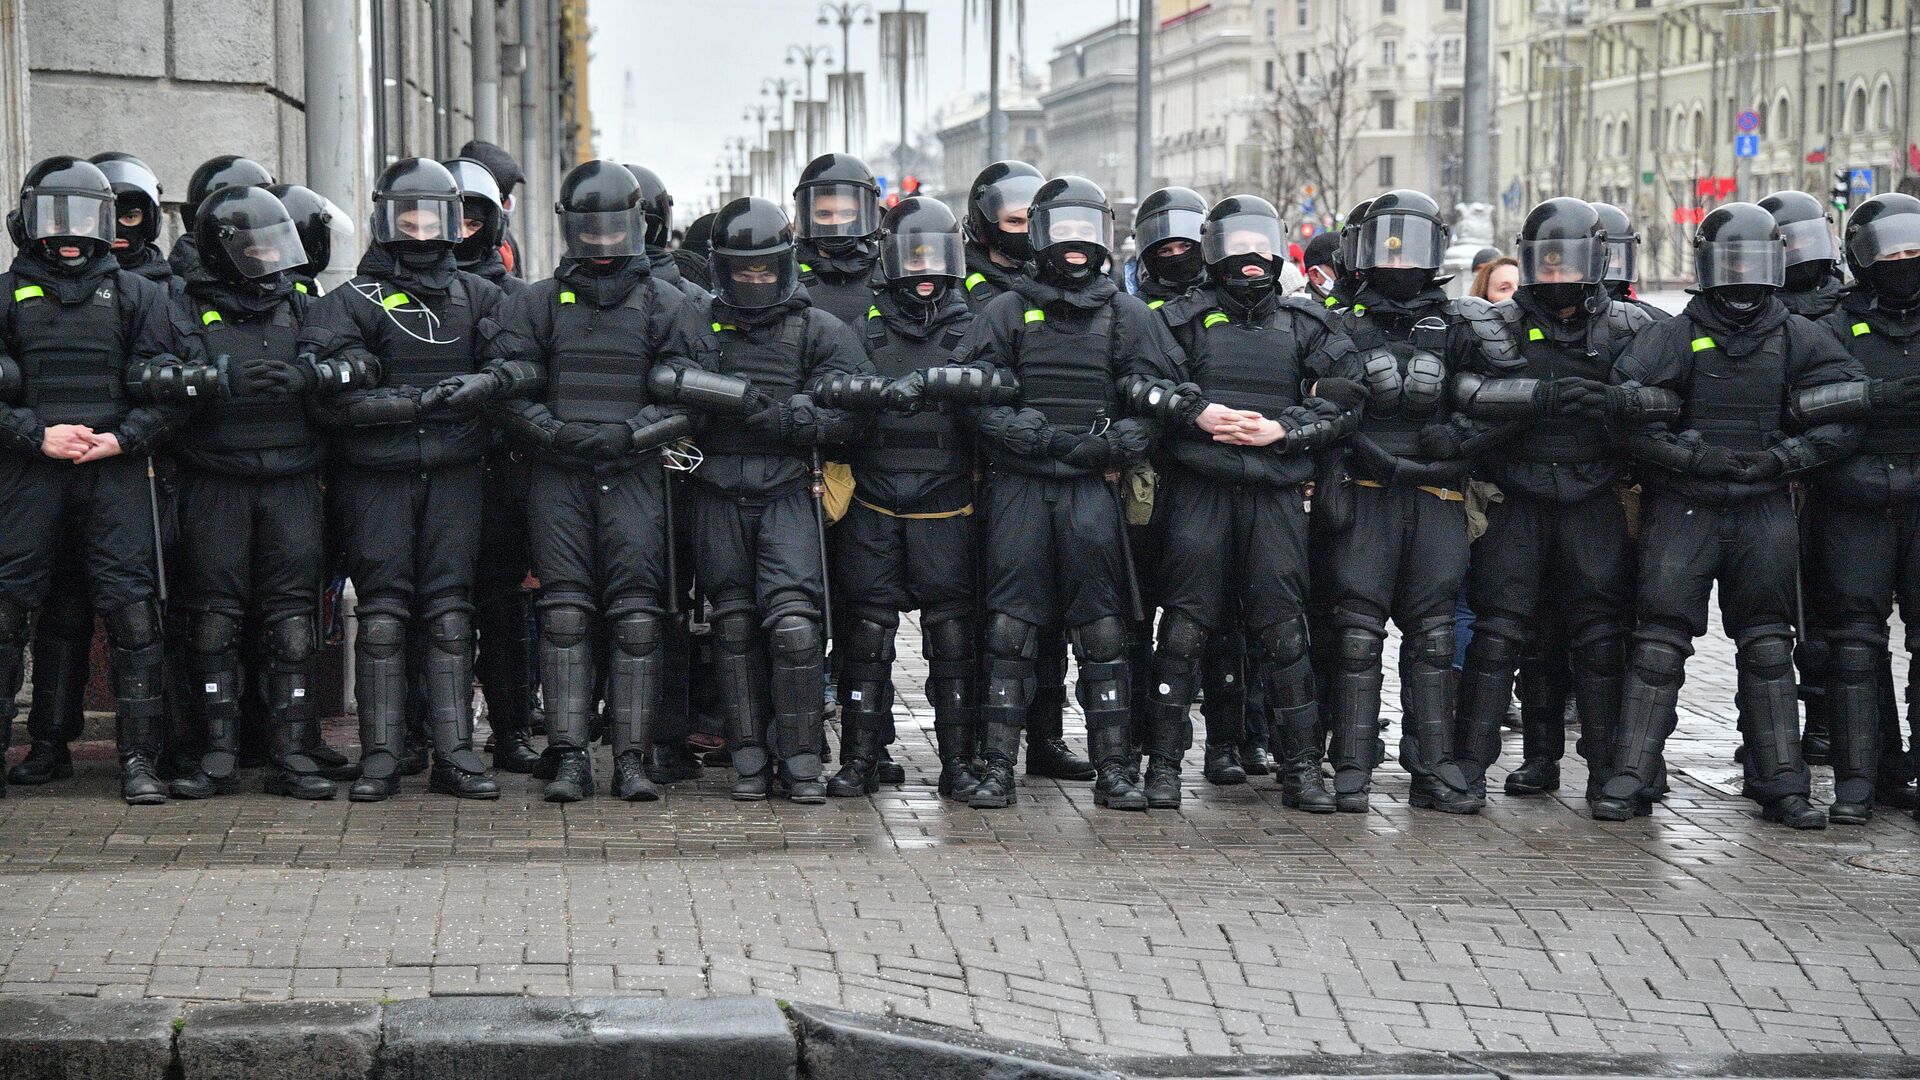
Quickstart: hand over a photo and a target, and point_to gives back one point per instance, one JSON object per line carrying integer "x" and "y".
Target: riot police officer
{"x": 1558, "y": 537}
{"x": 995, "y": 229}
{"x": 1623, "y": 266}
{"x": 1236, "y": 547}
{"x": 837, "y": 221}
{"x": 483, "y": 221}
{"x": 757, "y": 543}
{"x": 1397, "y": 537}
{"x": 1166, "y": 232}
{"x": 1053, "y": 538}
{"x": 1718, "y": 511}
{"x": 407, "y": 471}
{"x": 74, "y": 325}
{"x": 324, "y": 229}
{"x": 224, "y": 171}
{"x": 658, "y": 203}
{"x": 1813, "y": 282}
{"x": 589, "y": 338}
{"x": 691, "y": 256}
{"x": 136, "y": 198}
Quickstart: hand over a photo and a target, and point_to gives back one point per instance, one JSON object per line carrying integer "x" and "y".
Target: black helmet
{"x": 1739, "y": 244}
{"x": 1070, "y": 215}
{"x": 479, "y": 201}
{"x": 752, "y": 236}
{"x": 600, "y": 212}
{"x": 837, "y": 201}
{"x": 1401, "y": 229}
{"x": 1561, "y": 242}
{"x": 225, "y": 171}
{"x": 1350, "y": 232}
{"x": 1883, "y": 246}
{"x": 65, "y": 199}
{"x": 416, "y": 205}
{"x": 324, "y": 228}
{"x": 1239, "y": 240}
{"x": 920, "y": 242}
{"x": 1621, "y": 242}
{"x": 699, "y": 237}
{"x": 1805, "y": 227}
{"x": 506, "y": 171}
{"x": 658, "y": 204}
{"x": 245, "y": 234}
{"x": 1172, "y": 213}
{"x": 135, "y": 187}
{"x": 1002, "y": 187}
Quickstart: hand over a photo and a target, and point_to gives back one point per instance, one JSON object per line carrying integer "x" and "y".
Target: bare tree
{"x": 1312, "y": 120}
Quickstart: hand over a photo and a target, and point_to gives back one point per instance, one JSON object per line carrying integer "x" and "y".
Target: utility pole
{"x": 1143, "y": 103}
{"x": 844, "y": 14}
{"x": 1746, "y": 25}
{"x": 996, "y": 121}
{"x": 808, "y": 55}
{"x": 1476, "y": 179}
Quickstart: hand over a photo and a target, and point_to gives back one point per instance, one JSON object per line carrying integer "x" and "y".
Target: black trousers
{"x": 412, "y": 539}
{"x": 904, "y": 564}
{"x": 251, "y": 544}
{"x": 600, "y": 536}
{"x": 1578, "y": 554}
{"x": 757, "y": 554}
{"x": 1235, "y": 557}
{"x": 504, "y": 660}
{"x": 104, "y": 507}
{"x": 1052, "y": 550}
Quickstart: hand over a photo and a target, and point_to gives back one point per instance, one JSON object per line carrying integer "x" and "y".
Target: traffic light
{"x": 909, "y": 185}
{"x": 1839, "y": 190}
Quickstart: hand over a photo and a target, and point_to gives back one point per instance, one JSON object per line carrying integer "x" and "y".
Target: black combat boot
{"x": 457, "y": 769}
{"x": 380, "y": 690}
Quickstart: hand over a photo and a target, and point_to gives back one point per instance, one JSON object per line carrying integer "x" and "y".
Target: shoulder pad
{"x": 1627, "y": 318}
{"x": 1300, "y": 307}
{"x": 1493, "y": 328}
{"x": 1184, "y": 309}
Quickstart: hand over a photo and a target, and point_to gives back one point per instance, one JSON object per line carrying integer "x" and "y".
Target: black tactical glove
{"x": 1349, "y": 395}
{"x": 1717, "y": 463}
{"x": 1438, "y": 442}
{"x": 766, "y": 416}
{"x": 283, "y": 378}
{"x": 462, "y": 392}
{"x": 1128, "y": 440}
{"x": 1760, "y": 466}
{"x": 906, "y": 393}
{"x": 800, "y": 424}
{"x": 574, "y": 437}
{"x": 248, "y": 378}
{"x": 1894, "y": 393}
{"x": 1079, "y": 451}
{"x": 607, "y": 442}
{"x": 1583, "y": 397}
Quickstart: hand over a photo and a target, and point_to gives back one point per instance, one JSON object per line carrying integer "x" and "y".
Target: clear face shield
{"x": 923, "y": 255}
{"x": 1808, "y": 241}
{"x": 1177, "y": 224}
{"x": 417, "y": 218}
{"x": 831, "y": 210}
{"x": 1620, "y": 260}
{"x": 1888, "y": 239}
{"x": 1071, "y": 225}
{"x": 1741, "y": 262}
{"x": 1399, "y": 241}
{"x": 1240, "y": 234}
{"x": 1006, "y": 202}
{"x": 265, "y": 251}
{"x": 67, "y": 215}
{"x": 756, "y": 281}
{"x": 1580, "y": 261}
{"x": 604, "y": 234}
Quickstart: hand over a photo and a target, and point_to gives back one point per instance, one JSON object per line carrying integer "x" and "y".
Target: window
{"x": 1386, "y": 171}
{"x": 1883, "y": 107}
{"x": 1273, "y": 24}
{"x": 1270, "y": 75}
{"x": 1450, "y": 50}
{"x": 1450, "y": 5}
{"x": 1300, "y": 65}
{"x": 1388, "y": 107}
{"x": 1389, "y": 7}
{"x": 1450, "y": 114}
{"x": 1302, "y": 12}
{"x": 1033, "y": 136}
{"x": 1390, "y": 55}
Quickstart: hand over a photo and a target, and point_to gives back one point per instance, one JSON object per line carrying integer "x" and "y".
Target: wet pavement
{"x": 1230, "y": 926}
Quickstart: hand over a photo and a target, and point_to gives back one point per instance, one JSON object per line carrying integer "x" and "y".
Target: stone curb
{"x": 737, "y": 1038}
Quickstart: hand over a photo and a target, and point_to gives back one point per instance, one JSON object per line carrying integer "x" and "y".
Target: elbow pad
{"x": 1495, "y": 399}
{"x": 1161, "y": 399}
{"x": 1674, "y": 457}
{"x": 1650, "y": 405}
{"x": 661, "y": 432}
{"x": 1832, "y": 403}
{"x": 343, "y": 372}
{"x": 522, "y": 379}
{"x": 378, "y": 411}
{"x": 967, "y": 385}
{"x": 845, "y": 390}
{"x": 10, "y": 380}
{"x": 700, "y": 389}
{"x": 167, "y": 381}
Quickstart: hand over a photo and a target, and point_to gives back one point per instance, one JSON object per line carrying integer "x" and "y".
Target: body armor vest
{"x": 929, "y": 441}
{"x": 846, "y": 300}
{"x": 1251, "y": 365}
{"x": 1405, "y": 373}
{"x": 417, "y": 350}
{"x": 1562, "y": 438}
{"x": 597, "y": 372}
{"x": 246, "y": 422}
{"x": 71, "y": 358}
{"x": 1885, "y": 357}
{"x": 775, "y": 365}
{"x": 1737, "y": 404}
{"x": 1065, "y": 374}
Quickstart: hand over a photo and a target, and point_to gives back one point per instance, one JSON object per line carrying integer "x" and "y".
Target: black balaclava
{"x": 1808, "y": 276}
{"x": 1056, "y": 270}
{"x": 1895, "y": 282}
{"x": 1739, "y": 303}
{"x": 1560, "y": 295}
{"x": 1247, "y": 292}
{"x": 1186, "y": 268}
{"x": 1401, "y": 283}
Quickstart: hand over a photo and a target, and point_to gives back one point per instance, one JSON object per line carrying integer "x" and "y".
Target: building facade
{"x": 1089, "y": 110}
{"x": 963, "y": 140}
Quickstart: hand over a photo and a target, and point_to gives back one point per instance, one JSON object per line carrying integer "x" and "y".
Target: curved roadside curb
{"x": 737, "y": 1038}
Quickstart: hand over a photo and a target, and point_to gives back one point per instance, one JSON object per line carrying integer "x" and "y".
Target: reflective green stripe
{"x": 211, "y": 317}
{"x": 717, "y": 327}
{"x": 1534, "y": 334}
{"x": 1216, "y": 319}
{"x": 395, "y": 300}
{"x": 1034, "y": 314}
{"x": 805, "y": 269}
{"x": 975, "y": 279}
{"x": 1156, "y": 304}
{"x": 1358, "y": 309}
{"x": 873, "y": 313}
{"x": 1703, "y": 343}
{"x": 1860, "y": 328}
{"x": 1331, "y": 301}
{"x": 300, "y": 287}
{"x": 27, "y": 292}
{"x": 566, "y": 297}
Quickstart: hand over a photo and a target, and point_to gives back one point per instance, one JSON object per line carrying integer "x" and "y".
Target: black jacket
{"x": 987, "y": 279}
{"x": 243, "y": 323}
{"x": 1886, "y": 341}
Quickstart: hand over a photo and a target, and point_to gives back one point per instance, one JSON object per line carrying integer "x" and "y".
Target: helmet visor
{"x": 830, "y": 210}
{"x": 1012, "y": 195}
{"x": 1399, "y": 240}
{"x": 1896, "y": 236}
{"x": 1620, "y": 260}
{"x": 265, "y": 251}
{"x": 754, "y": 281}
{"x": 67, "y": 214}
{"x": 923, "y": 254}
{"x": 1808, "y": 241}
{"x": 1576, "y": 261}
{"x": 1240, "y": 234}
{"x": 1177, "y": 224}
{"x": 425, "y": 218}
{"x": 1071, "y": 224}
{"x": 604, "y": 234}
{"x": 1742, "y": 262}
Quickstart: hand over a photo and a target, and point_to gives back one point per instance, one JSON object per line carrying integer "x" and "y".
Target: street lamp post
{"x": 757, "y": 113}
{"x": 844, "y": 14}
{"x": 809, "y": 55}
{"x": 780, "y": 88}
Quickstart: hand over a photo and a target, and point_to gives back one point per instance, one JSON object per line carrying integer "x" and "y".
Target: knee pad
{"x": 1432, "y": 644}
{"x": 1358, "y": 651}
{"x": 382, "y": 636}
{"x": 1606, "y": 658}
{"x": 1181, "y": 638}
{"x": 290, "y": 640}
{"x": 134, "y": 626}
{"x": 564, "y": 622}
{"x": 1769, "y": 656}
{"x": 1859, "y": 659}
{"x": 637, "y": 635}
{"x": 451, "y": 632}
{"x": 1659, "y": 663}
{"x": 793, "y": 635}
{"x": 947, "y": 639}
{"x": 215, "y": 632}
{"x": 733, "y": 632}
{"x": 1102, "y": 641}
{"x": 1008, "y": 638}
{"x": 1285, "y": 642}
{"x": 13, "y": 624}
{"x": 1495, "y": 652}
{"x": 863, "y": 639}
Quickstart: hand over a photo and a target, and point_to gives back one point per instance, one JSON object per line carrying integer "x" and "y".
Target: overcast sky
{"x": 697, "y": 65}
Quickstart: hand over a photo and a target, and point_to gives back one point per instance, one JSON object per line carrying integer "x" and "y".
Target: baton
{"x": 1126, "y": 553}
{"x": 673, "y": 557}
{"x": 820, "y": 528}
{"x": 159, "y": 549}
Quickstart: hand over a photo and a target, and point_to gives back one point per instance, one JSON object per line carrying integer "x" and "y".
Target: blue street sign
{"x": 1860, "y": 181}
{"x": 1306, "y": 206}
{"x": 1511, "y": 196}
{"x": 1748, "y": 121}
{"x": 881, "y": 182}
{"x": 1746, "y": 146}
